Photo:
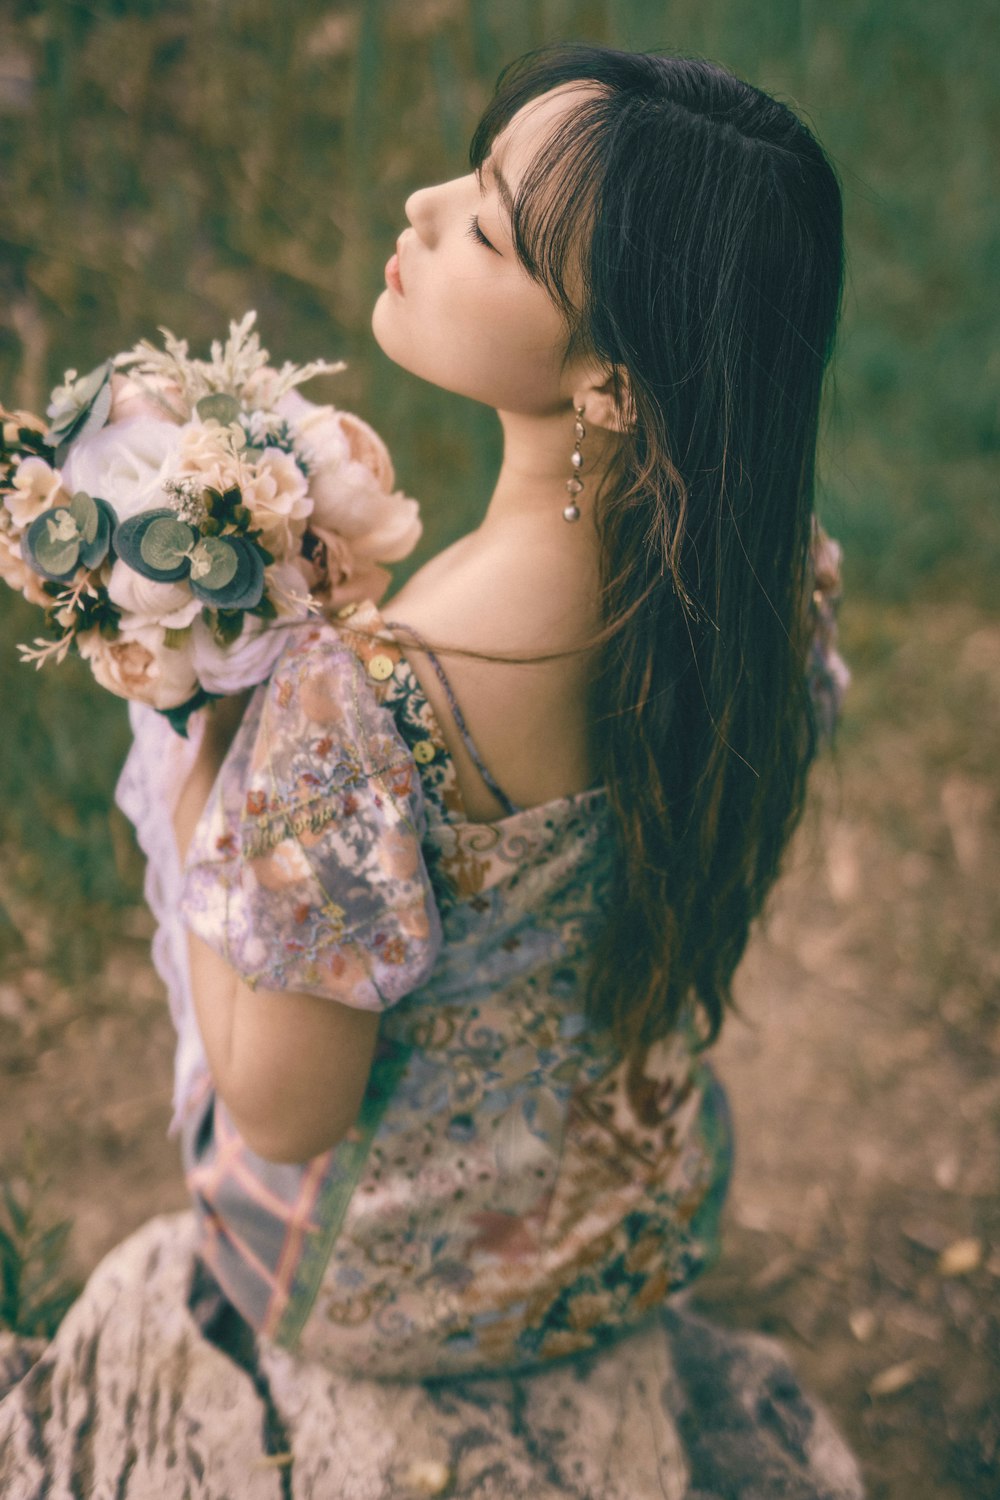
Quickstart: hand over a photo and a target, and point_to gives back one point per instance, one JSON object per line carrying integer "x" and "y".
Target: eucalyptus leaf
{"x": 128, "y": 538}
{"x": 165, "y": 543}
{"x": 245, "y": 589}
{"x": 85, "y": 514}
{"x": 93, "y": 553}
{"x": 51, "y": 545}
{"x": 214, "y": 563}
{"x": 98, "y": 414}
{"x": 218, "y": 408}
{"x": 85, "y": 408}
{"x": 57, "y": 558}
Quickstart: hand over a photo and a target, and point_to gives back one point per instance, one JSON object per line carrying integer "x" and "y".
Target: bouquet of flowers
{"x": 175, "y": 511}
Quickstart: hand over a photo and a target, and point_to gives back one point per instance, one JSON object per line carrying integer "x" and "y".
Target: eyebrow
{"x": 502, "y": 185}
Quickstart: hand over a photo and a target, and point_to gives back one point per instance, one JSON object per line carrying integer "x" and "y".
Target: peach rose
{"x": 350, "y": 481}
{"x": 153, "y": 396}
{"x": 140, "y": 667}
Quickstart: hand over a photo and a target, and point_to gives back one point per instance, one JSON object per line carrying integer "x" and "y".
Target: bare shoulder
{"x": 527, "y": 718}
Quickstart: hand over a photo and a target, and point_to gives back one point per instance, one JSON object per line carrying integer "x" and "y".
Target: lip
{"x": 393, "y": 279}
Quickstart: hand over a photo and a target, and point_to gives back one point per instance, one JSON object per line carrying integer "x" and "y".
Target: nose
{"x": 420, "y": 209}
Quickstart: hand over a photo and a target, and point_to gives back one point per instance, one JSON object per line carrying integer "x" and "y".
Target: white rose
{"x": 169, "y": 604}
{"x": 125, "y": 464}
{"x": 37, "y": 488}
{"x": 229, "y": 669}
{"x": 138, "y": 665}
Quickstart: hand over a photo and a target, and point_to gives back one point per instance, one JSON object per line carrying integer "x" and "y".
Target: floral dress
{"x": 508, "y": 1194}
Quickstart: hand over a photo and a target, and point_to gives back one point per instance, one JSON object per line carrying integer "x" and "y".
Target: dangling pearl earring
{"x": 574, "y": 483}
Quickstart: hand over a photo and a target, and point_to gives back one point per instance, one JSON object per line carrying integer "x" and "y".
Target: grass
{"x": 34, "y": 1293}
{"x": 178, "y": 164}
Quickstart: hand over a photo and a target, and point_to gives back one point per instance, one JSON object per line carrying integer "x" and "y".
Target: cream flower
{"x": 16, "y": 573}
{"x": 146, "y": 602}
{"x": 138, "y": 665}
{"x": 37, "y": 488}
{"x": 206, "y": 451}
{"x": 276, "y": 494}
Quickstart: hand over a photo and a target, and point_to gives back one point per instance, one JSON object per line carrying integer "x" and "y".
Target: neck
{"x": 530, "y": 491}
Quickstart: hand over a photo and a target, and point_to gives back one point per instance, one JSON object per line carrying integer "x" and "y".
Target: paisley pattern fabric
{"x": 305, "y": 871}
{"x": 512, "y": 1192}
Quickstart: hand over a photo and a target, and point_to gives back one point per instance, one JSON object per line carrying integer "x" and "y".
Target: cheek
{"x": 495, "y": 339}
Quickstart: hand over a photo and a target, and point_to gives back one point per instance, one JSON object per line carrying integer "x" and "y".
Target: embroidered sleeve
{"x": 305, "y": 871}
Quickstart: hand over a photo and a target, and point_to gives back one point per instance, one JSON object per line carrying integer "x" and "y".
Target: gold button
{"x": 423, "y": 751}
{"x": 380, "y": 667}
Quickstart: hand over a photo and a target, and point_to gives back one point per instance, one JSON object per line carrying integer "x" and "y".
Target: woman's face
{"x": 459, "y": 309}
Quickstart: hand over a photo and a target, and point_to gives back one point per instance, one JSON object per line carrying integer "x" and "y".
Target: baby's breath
{"x": 236, "y": 368}
{"x": 186, "y": 497}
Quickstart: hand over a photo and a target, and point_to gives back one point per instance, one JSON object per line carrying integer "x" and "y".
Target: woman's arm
{"x": 291, "y": 1068}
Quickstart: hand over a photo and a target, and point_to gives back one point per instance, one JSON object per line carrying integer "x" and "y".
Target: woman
{"x": 469, "y": 878}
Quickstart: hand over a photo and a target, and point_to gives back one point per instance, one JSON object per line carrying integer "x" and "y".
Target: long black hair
{"x": 689, "y": 227}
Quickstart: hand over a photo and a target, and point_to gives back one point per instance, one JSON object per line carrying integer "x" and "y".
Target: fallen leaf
{"x": 895, "y": 1378}
{"x": 428, "y": 1476}
{"x": 862, "y": 1322}
{"x": 960, "y": 1257}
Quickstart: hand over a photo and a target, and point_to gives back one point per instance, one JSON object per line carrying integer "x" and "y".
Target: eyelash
{"x": 476, "y": 233}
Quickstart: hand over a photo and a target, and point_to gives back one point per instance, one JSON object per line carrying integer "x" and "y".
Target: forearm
{"x": 291, "y": 1068}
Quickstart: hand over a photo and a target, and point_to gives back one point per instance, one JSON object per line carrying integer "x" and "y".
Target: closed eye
{"x": 477, "y": 234}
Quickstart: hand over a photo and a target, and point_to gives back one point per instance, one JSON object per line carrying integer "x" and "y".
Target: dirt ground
{"x": 864, "y": 1224}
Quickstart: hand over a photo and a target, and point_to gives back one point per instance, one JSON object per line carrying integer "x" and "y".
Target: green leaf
{"x": 165, "y": 543}
{"x": 85, "y": 514}
{"x": 16, "y": 1212}
{"x": 52, "y": 1244}
{"x": 218, "y": 408}
{"x": 227, "y": 626}
{"x": 178, "y": 717}
{"x": 214, "y": 563}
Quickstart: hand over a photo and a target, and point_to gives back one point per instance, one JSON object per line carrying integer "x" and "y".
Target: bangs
{"x": 557, "y": 203}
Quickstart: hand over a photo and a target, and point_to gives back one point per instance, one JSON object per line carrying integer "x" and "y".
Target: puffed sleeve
{"x": 305, "y": 871}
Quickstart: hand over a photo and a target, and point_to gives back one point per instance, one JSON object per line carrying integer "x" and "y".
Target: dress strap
{"x": 501, "y": 796}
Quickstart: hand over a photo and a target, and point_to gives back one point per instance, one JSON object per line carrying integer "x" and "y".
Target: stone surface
{"x": 130, "y": 1400}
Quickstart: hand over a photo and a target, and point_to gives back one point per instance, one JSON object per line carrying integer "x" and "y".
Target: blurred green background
{"x": 177, "y": 164}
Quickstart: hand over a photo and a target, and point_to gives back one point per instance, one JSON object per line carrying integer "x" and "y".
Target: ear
{"x": 606, "y": 399}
